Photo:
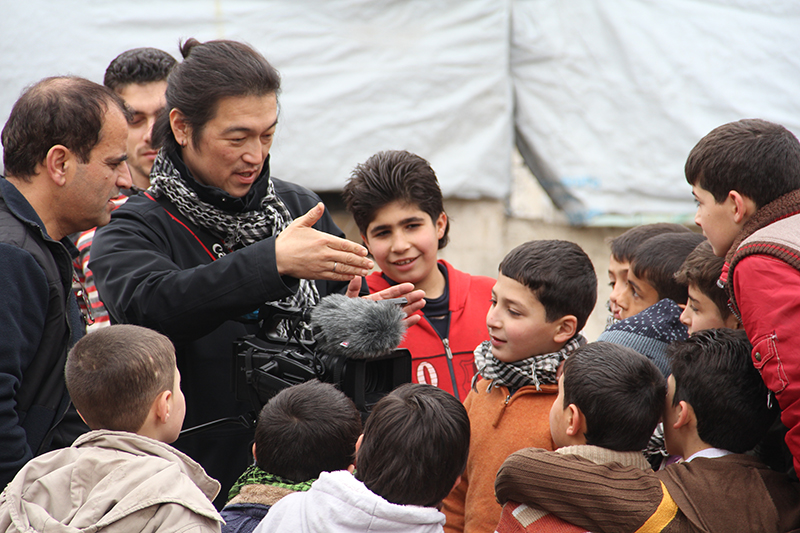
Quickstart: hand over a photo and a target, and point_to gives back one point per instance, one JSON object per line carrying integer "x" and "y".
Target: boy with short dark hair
{"x": 610, "y": 399}
{"x": 715, "y": 410}
{"x": 651, "y": 303}
{"x": 121, "y": 476}
{"x": 302, "y": 431}
{"x": 745, "y": 177}
{"x": 707, "y": 306}
{"x": 396, "y": 202}
{"x": 411, "y": 454}
{"x": 545, "y": 292}
{"x": 622, "y": 249}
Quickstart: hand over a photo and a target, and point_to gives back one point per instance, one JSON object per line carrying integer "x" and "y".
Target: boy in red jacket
{"x": 745, "y": 178}
{"x": 396, "y": 202}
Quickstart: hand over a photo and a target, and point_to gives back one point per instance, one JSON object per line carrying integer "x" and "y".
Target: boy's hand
{"x": 415, "y": 298}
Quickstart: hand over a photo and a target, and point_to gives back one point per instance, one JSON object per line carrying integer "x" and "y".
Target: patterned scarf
{"x": 537, "y": 370}
{"x": 255, "y": 476}
{"x": 237, "y": 230}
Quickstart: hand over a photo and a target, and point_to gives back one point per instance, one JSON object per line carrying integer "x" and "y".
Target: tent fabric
{"x": 603, "y": 99}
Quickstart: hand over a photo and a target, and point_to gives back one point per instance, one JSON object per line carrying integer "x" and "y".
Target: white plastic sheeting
{"x": 606, "y": 98}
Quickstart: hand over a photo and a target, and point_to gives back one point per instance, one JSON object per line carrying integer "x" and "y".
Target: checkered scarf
{"x": 236, "y": 229}
{"x": 537, "y": 370}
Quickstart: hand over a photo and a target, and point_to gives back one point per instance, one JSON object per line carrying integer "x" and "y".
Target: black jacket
{"x": 152, "y": 271}
{"x": 39, "y": 322}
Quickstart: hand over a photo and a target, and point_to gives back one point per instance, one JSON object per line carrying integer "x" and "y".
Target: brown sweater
{"x": 727, "y": 494}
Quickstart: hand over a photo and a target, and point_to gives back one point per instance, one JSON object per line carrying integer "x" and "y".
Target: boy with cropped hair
{"x": 545, "y": 292}
{"x": 622, "y": 249}
{"x": 715, "y": 410}
{"x": 397, "y": 205}
{"x": 651, "y": 303}
{"x": 411, "y": 454}
{"x": 745, "y": 178}
{"x": 707, "y": 306}
{"x": 302, "y": 431}
{"x": 123, "y": 475}
{"x": 610, "y": 399}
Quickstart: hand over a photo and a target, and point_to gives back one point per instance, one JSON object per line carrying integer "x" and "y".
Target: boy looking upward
{"x": 396, "y": 202}
{"x": 544, "y": 293}
{"x": 707, "y": 307}
{"x": 745, "y": 178}
{"x": 122, "y": 475}
{"x": 301, "y": 432}
{"x": 412, "y": 452}
{"x": 715, "y": 410}
{"x": 622, "y": 249}
{"x": 610, "y": 399}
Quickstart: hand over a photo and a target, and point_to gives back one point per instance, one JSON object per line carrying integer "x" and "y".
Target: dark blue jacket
{"x": 39, "y": 322}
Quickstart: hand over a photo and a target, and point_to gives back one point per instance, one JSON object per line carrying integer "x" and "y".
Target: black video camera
{"x": 269, "y": 361}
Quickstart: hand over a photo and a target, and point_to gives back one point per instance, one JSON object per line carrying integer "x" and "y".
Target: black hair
{"x": 559, "y": 273}
{"x": 619, "y": 391}
{"x": 623, "y": 246}
{"x": 714, "y": 374}
{"x": 307, "y": 429}
{"x": 393, "y": 176}
{"x": 415, "y": 445}
{"x": 140, "y": 65}
{"x": 756, "y": 158}
{"x": 658, "y": 258}
{"x": 702, "y": 269}
{"x": 69, "y": 111}
{"x": 210, "y": 72}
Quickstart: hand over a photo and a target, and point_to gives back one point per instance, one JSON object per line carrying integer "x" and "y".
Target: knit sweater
{"x": 731, "y": 493}
{"x": 523, "y": 518}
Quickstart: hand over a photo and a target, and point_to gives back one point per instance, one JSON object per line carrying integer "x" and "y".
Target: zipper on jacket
{"x": 449, "y": 353}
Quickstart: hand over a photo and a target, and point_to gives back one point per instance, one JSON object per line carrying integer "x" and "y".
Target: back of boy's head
{"x": 415, "y": 445}
{"x": 658, "y": 259}
{"x": 620, "y": 393}
{"x": 114, "y": 374}
{"x": 393, "y": 176}
{"x": 559, "y": 273}
{"x": 307, "y": 429}
{"x": 756, "y": 158}
{"x": 714, "y": 374}
{"x": 702, "y": 269}
{"x": 622, "y": 247}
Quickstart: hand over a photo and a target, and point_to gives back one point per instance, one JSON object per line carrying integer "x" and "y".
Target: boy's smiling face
{"x": 718, "y": 220}
{"x": 517, "y": 325}
{"x": 637, "y": 296}
{"x": 405, "y": 243}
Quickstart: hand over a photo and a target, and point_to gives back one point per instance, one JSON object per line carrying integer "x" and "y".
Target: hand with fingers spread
{"x": 305, "y": 253}
{"x": 416, "y": 298}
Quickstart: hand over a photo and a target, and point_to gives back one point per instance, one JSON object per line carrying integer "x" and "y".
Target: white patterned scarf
{"x": 537, "y": 370}
{"x": 237, "y": 230}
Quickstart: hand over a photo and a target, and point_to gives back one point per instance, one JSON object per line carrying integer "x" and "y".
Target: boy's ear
{"x": 685, "y": 414}
{"x": 743, "y": 206}
{"x": 565, "y": 328}
{"x": 162, "y": 406}
{"x": 576, "y": 422}
{"x": 353, "y": 466}
{"x": 254, "y": 451}
{"x": 441, "y": 224}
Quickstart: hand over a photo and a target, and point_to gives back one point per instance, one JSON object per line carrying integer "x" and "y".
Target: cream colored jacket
{"x": 111, "y": 481}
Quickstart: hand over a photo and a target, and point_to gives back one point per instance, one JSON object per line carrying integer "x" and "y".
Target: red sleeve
{"x": 768, "y": 294}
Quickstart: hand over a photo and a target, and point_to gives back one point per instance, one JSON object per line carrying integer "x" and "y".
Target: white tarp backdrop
{"x": 604, "y": 99}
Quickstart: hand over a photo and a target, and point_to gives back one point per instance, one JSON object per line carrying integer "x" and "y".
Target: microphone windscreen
{"x": 357, "y": 328}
